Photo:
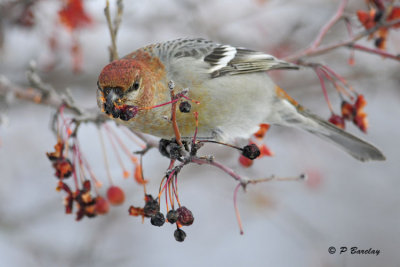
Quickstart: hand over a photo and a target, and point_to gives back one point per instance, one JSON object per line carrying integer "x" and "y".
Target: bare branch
{"x": 113, "y": 27}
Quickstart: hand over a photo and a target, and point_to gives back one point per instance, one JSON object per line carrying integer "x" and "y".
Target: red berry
{"x": 185, "y": 216}
{"x": 115, "y": 195}
{"x": 348, "y": 110}
{"x": 245, "y": 162}
{"x": 337, "y": 120}
{"x": 102, "y": 206}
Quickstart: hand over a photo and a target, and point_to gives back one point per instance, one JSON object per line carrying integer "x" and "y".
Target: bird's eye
{"x": 118, "y": 90}
{"x": 134, "y": 87}
{"x": 106, "y": 90}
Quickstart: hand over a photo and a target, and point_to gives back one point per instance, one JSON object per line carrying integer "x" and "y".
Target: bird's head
{"x": 122, "y": 88}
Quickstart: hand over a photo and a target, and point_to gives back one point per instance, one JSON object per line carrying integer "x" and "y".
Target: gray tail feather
{"x": 353, "y": 145}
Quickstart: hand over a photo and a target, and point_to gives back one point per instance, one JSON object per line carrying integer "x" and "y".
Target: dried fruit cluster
{"x": 182, "y": 216}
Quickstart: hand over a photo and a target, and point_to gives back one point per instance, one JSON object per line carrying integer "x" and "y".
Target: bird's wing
{"x": 220, "y": 59}
{"x": 226, "y": 59}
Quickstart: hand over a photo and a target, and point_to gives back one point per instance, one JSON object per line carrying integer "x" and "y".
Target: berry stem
{"x": 121, "y": 144}
{"x": 320, "y": 75}
{"x": 133, "y": 138}
{"x": 235, "y": 192}
{"x": 103, "y": 148}
{"x": 119, "y": 159}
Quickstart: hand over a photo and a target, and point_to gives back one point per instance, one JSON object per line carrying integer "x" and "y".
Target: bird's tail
{"x": 353, "y": 145}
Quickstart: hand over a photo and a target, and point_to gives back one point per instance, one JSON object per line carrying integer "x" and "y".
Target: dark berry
{"x": 128, "y": 113}
{"x": 379, "y": 42}
{"x": 251, "y": 151}
{"x": 174, "y": 151}
{"x": 162, "y": 147}
{"x": 179, "y": 235}
{"x": 172, "y": 216}
{"x": 151, "y": 207}
{"x": 115, "y": 112}
{"x": 185, "y": 216}
{"x": 157, "y": 219}
{"x": 378, "y": 15}
{"x": 185, "y": 107}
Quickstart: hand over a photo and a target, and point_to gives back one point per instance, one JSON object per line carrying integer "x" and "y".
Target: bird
{"x": 235, "y": 94}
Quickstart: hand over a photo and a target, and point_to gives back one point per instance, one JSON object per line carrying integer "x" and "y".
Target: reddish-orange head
{"x": 121, "y": 88}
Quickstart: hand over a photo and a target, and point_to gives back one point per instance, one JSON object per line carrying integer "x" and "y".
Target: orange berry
{"x": 115, "y": 195}
{"x": 245, "y": 162}
{"x": 102, "y": 206}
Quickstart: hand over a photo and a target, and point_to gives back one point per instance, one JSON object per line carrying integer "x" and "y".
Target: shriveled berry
{"x": 157, "y": 219}
{"x": 179, "y": 235}
{"x": 63, "y": 167}
{"x": 151, "y": 207}
{"x": 172, "y": 216}
{"x": 251, "y": 151}
{"x": 128, "y": 112}
{"x": 115, "y": 112}
{"x": 378, "y": 15}
{"x": 337, "y": 120}
{"x": 162, "y": 147}
{"x": 185, "y": 216}
{"x": 379, "y": 42}
{"x": 107, "y": 108}
{"x": 102, "y": 206}
{"x": 115, "y": 195}
{"x": 185, "y": 107}
{"x": 174, "y": 151}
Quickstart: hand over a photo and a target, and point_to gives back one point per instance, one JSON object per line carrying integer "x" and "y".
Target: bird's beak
{"x": 109, "y": 105}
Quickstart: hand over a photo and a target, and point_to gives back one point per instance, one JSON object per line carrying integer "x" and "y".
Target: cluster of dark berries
{"x": 181, "y": 216}
{"x": 124, "y": 112}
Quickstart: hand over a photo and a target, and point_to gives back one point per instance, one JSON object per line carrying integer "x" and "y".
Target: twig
{"x": 374, "y": 51}
{"x": 113, "y": 27}
{"x": 329, "y": 25}
{"x": 347, "y": 43}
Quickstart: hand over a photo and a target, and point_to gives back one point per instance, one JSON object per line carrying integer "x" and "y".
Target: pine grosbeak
{"x": 231, "y": 84}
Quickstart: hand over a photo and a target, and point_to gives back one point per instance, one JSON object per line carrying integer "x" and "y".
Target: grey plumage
{"x": 234, "y": 77}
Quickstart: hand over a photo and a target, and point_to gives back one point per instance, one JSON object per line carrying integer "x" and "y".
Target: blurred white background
{"x": 345, "y": 202}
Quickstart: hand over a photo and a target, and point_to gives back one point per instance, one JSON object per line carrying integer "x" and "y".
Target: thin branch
{"x": 113, "y": 27}
{"x": 329, "y": 25}
{"x": 347, "y": 43}
{"x": 374, "y": 51}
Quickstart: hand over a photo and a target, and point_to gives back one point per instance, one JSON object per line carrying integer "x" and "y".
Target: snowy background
{"x": 345, "y": 202}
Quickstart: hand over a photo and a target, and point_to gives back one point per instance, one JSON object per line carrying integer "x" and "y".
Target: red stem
{"x": 321, "y": 79}
{"x": 235, "y": 192}
{"x": 375, "y": 51}
{"x": 329, "y": 25}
